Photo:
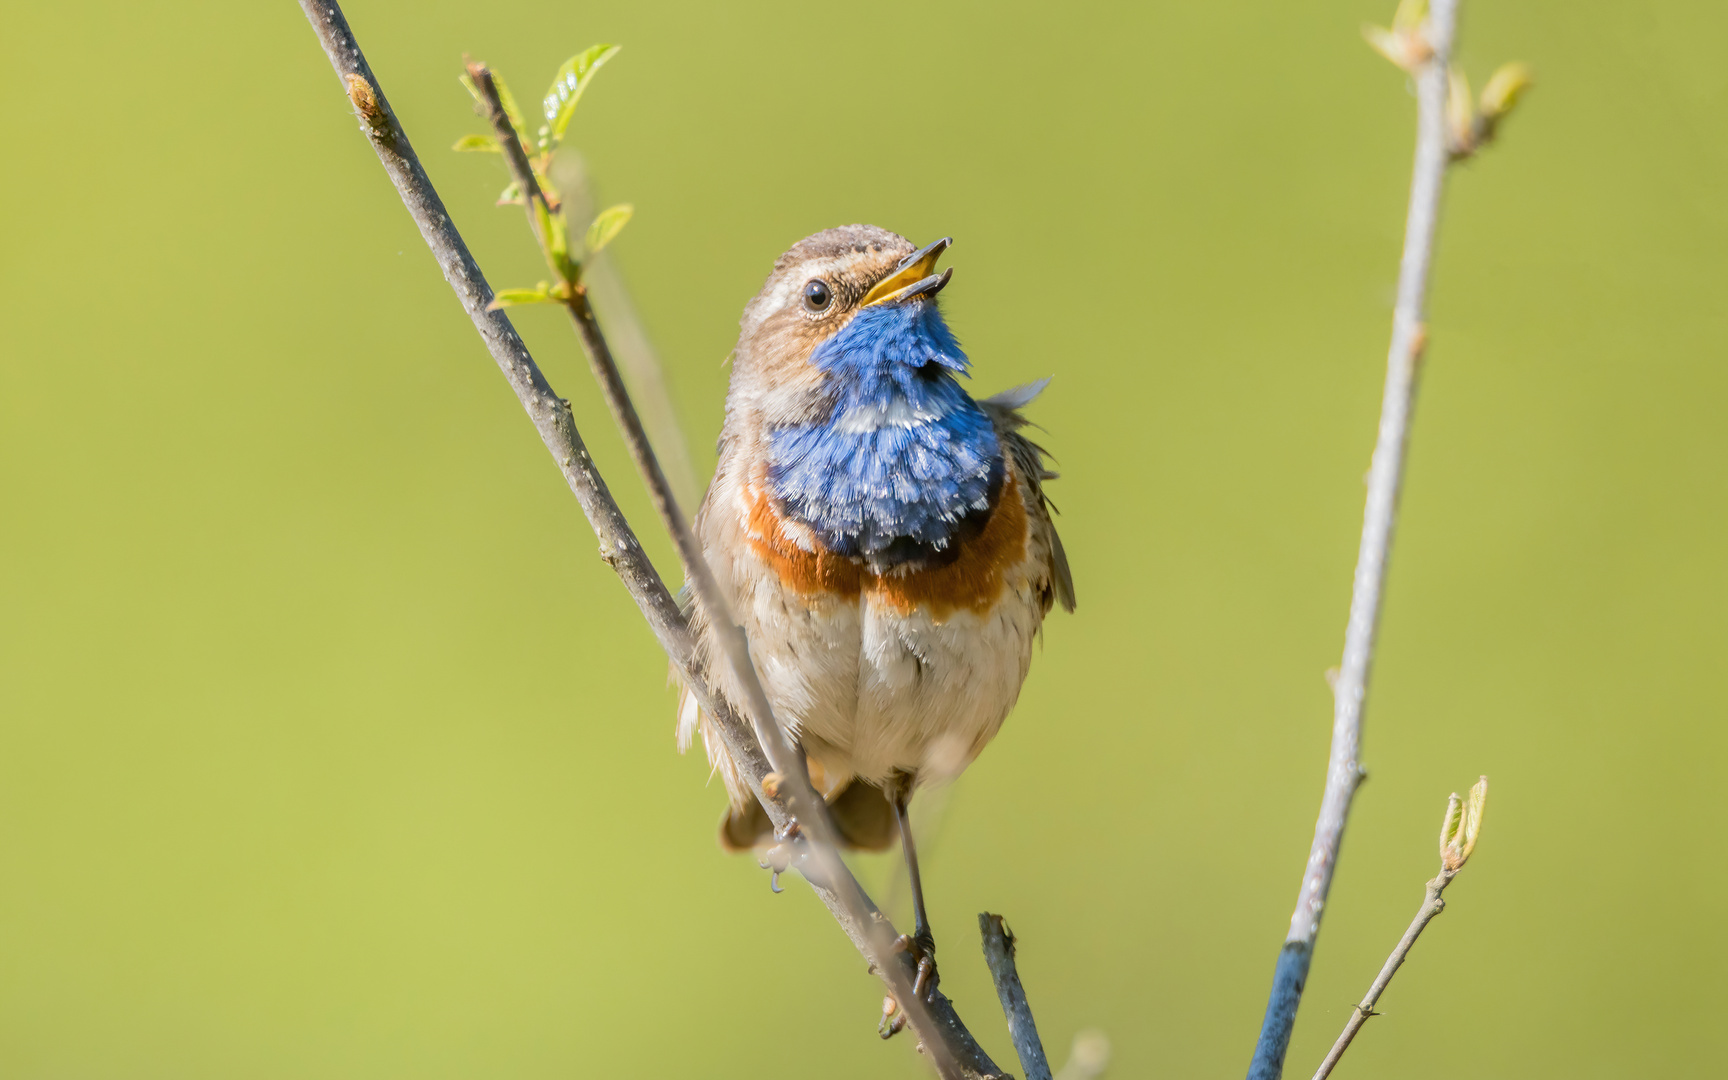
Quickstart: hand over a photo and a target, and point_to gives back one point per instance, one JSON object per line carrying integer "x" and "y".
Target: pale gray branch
{"x": 1385, "y": 478}
{"x": 944, "y": 1037}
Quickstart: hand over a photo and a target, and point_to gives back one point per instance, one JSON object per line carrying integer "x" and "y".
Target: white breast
{"x": 867, "y": 686}
{"x": 931, "y": 695}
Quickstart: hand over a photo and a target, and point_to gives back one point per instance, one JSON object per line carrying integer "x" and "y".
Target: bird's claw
{"x": 922, "y": 948}
{"x": 922, "y": 951}
{"x": 777, "y": 859}
{"x": 925, "y": 984}
{"x": 893, "y": 1019}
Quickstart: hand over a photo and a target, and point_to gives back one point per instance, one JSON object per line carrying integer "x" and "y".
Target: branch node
{"x": 375, "y": 121}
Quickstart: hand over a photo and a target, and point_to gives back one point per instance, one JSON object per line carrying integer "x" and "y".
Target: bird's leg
{"x": 921, "y": 943}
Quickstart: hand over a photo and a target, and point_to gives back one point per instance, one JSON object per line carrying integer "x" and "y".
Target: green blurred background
{"x": 330, "y": 749}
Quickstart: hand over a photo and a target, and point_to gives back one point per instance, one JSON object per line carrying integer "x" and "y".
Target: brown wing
{"x": 1029, "y": 461}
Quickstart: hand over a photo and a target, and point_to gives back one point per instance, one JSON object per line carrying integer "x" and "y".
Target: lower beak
{"x": 915, "y": 276}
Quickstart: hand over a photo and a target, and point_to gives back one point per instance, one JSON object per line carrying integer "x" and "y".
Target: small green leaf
{"x": 508, "y": 100}
{"x": 485, "y": 144}
{"x": 511, "y": 196}
{"x": 608, "y": 225}
{"x": 540, "y": 294}
{"x": 468, "y": 85}
{"x": 1461, "y": 826}
{"x": 1475, "y": 804}
{"x": 1504, "y": 88}
{"x": 567, "y": 86}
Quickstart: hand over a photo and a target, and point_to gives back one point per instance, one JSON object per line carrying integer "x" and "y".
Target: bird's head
{"x": 853, "y": 296}
{"x": 844, "y": 376}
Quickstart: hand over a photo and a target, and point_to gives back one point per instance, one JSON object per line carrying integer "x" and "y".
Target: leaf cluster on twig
{"x": 1470, "y": 122}
{"x": 531, "y": 186}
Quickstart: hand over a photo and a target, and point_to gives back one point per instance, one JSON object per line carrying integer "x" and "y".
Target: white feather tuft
{"x": 689, "y": 711}
{"x": 1018, "y": 397}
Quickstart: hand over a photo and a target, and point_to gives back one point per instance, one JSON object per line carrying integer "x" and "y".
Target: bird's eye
{"x": 817, "y": 295}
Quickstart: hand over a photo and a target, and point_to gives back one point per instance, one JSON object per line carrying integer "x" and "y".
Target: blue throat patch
{"x": 906, "y": 464}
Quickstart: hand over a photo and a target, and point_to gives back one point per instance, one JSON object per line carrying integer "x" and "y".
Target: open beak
{"x": 915, "y": 276}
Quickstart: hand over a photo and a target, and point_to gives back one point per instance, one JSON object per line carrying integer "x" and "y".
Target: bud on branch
{"x": 1461, "y": 827}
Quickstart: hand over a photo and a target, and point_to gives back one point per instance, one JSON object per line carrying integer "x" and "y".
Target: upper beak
{"x": 915, "y": 276}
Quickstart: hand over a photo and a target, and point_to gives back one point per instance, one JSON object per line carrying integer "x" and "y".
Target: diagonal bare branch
{"x": 759, "y": 746}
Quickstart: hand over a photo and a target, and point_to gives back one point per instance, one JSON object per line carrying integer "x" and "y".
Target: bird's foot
{"x": 921, "y": 945}
{"x": 777, "y": 859}
{"x": 922, "y": 949}
{"x": 893, "y": 1019}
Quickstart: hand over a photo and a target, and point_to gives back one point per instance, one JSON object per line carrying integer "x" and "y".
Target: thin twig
{"x": 952, "y": 1048}
{"x": 999, "y": 955}
{"x": 1385, "y": 476}
{"x": 617, "y": 396}
{"x": 1432, "y": 905}
{"x": 1459, "y": 831}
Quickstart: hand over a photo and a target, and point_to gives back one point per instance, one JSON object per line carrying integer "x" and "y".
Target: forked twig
{"x": 755, "y": 745}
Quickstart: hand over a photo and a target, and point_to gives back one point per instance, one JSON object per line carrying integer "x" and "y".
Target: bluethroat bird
{"x": 883, "y": 537}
